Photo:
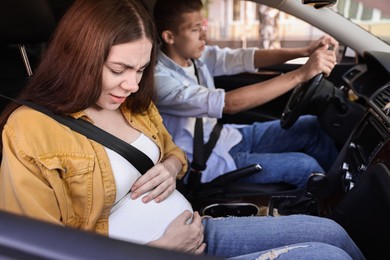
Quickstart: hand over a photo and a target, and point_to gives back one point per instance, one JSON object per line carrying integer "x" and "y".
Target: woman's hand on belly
{"x": 183, "y": 235}
{"x": 160, "y": 179}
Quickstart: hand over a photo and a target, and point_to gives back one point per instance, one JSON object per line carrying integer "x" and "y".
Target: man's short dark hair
{"x": 168, "y": 14}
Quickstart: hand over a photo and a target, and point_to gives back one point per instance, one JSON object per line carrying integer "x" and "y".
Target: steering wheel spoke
{"x": 298, "y": 100}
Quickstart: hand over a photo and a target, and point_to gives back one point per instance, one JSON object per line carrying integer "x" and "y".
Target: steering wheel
{"x": 298, "y": 100}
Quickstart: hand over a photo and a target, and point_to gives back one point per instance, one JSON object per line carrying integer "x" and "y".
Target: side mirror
{"x": 319, "y": 3}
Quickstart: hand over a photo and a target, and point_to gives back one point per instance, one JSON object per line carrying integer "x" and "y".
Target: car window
{"x": 372, "y": 15}
{"x": 247, "y": 24}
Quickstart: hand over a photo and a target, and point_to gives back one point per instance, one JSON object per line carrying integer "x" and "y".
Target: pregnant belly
{"x": 138, "y": 222}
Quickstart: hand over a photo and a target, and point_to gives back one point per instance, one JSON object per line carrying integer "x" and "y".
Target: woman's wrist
{"x": 173, "y": 165}
{"x": 160, "y": 243}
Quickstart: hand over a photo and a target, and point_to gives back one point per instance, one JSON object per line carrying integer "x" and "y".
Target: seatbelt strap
{"x": 198, "y": 161}
{"x": 201, "y": 151}
{"x": 136, "y": 157}
{"x": 209, "y": 146}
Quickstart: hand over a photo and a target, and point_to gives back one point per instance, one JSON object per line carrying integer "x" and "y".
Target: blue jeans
{"x": 290, "y": 237}
{"x": 286, "y": 155}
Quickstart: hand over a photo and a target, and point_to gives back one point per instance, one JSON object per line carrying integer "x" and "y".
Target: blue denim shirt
{"x": 180, "y": 99}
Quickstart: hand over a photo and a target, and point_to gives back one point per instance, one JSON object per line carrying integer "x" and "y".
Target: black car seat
{"x": 25, "y": 27}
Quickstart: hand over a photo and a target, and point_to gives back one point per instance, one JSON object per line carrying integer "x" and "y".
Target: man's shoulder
{"x": 161, "y": 67}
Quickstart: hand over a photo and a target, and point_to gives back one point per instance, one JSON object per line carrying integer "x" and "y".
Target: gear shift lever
{"x": 314, "y": 184}
{"x": 305, "y": 203}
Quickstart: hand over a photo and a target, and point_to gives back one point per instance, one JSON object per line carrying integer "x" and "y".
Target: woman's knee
{"x": 308, "y": 250}
{"x": 334, "y": 232}
{"x": 328, "y": 230}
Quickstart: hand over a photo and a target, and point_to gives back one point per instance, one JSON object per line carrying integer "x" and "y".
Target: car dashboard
{"x": 371, "y": 83}
{"x": 363, "y": 166}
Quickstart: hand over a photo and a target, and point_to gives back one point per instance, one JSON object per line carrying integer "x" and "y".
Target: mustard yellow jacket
{"x": 54, "y": 174}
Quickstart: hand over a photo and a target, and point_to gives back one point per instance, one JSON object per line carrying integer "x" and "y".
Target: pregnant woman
{"x": 99, "y": 67}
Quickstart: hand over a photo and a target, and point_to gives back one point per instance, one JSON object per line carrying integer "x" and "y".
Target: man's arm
{"x": 270, "y": 57}
{"x": 250, "y": 96}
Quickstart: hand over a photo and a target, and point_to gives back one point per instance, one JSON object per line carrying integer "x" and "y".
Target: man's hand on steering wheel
{"x": 322, "y": 61}
{"x": 325, "y": 40}
{"x": 320, "y": 64}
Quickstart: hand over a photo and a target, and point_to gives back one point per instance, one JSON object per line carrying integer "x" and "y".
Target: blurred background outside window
{"x": 236, "y": 23}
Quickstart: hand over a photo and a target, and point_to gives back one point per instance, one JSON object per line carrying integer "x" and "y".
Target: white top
{"x": 133, "y": 220}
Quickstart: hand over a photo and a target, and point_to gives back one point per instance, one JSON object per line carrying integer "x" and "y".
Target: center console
{"x": 364, "y": 168}
{"x": 369, "y": 139}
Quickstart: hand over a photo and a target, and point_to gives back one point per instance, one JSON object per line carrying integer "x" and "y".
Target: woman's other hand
{"x": 183, "y": 234}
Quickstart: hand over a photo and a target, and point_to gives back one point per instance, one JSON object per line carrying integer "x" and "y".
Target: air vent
{"x": 381, "y": 97}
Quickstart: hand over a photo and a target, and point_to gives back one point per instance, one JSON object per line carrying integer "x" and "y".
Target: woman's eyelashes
{"x": 116, "y": 73}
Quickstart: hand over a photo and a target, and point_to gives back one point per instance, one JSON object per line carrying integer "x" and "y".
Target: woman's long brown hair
{"x": 69, "y": 76}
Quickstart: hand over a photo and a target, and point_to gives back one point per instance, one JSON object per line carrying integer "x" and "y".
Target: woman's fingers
{"x": 160, "y": 193}
{"x": 158, "y": 181}
{"x": 200, "y": 249}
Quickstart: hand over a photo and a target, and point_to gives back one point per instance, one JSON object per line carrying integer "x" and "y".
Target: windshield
{"x": 238, "y": 23}
{"x": 372, "y": 15}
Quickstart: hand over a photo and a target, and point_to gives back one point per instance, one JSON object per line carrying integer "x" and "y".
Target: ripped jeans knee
{"x": 301, "y": 251}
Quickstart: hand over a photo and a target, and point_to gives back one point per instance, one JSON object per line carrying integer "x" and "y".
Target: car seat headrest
{"x": 25, "y": 21}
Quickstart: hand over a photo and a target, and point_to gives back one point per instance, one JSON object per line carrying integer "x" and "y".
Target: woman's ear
{"x": 167, "y": 37}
